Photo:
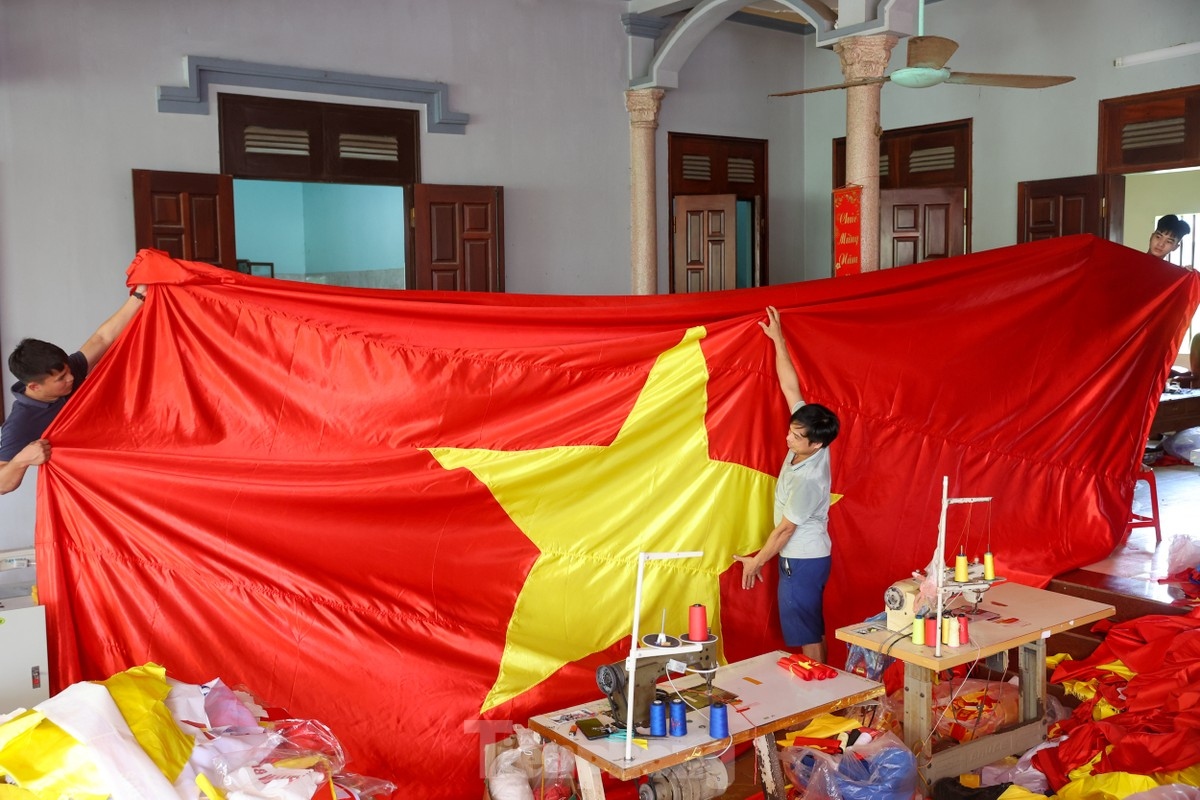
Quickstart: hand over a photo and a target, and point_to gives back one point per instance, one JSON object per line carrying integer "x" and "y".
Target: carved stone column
{"x": 643, "y": 106}
{"x": 865, "y": 57}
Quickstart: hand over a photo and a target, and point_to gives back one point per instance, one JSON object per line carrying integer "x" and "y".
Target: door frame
{"x": 682, "y": 179}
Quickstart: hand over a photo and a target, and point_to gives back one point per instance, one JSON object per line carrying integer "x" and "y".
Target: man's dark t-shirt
{"x": 30, "y": 418}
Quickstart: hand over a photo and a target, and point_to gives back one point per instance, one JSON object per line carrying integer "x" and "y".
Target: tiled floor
{"x": 1179, "y": 510}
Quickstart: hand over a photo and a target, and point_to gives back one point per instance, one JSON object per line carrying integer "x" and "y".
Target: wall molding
{"x": 203, "y": 71}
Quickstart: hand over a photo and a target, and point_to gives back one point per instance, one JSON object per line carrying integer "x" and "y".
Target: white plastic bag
{"x": 508, "y": 778}
{"x": 1183, "y": 444}
{"x": 1168, "y": 791}
{"x": 1183, "y": 554}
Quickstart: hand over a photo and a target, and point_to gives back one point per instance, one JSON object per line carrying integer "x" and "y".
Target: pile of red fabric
{"x": 1156, "y": 727}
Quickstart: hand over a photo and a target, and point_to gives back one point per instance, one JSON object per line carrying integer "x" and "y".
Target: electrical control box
{"x": 24, "y": 675}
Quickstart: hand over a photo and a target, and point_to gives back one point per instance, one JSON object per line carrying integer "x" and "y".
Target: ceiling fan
{"x": 927, "y": 56}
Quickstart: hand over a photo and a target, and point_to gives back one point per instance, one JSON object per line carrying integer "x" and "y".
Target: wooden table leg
{"x": 771, "y": 770}
{"x": 590, "y": 785}
{"x": 918, "y": 711}
{"x": 1033, "y": 680}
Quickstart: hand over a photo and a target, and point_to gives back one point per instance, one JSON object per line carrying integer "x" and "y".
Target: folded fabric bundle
{"x": 807, "y": 668}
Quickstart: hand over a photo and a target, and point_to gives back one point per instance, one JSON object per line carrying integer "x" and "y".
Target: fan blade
{"x": 862, "y": 82}
{"x": 930, "y": 51}
{"x": 1010, "y": 81}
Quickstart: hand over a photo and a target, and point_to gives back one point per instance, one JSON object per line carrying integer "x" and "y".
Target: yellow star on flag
{"x": 590, "y": 510}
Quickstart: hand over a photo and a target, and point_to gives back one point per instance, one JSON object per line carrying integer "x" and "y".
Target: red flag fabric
{"x": 1158, "y": 727}
{"x": 416, "y": 516}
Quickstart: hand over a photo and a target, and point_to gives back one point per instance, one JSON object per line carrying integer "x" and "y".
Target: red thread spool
{"x": 698, "y": 623}
{"x": 962, "y": 631}
{"x": 932, "y": 631}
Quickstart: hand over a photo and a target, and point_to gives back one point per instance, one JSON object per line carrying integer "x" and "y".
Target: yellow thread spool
{"x": 989, "y": 567}
{"x": 960, "y": 568}
{"x": 918, "y": 631}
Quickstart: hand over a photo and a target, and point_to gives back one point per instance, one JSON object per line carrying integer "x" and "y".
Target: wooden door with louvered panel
{"x": 919, "y": 225}
{"x": 1064, "y": 206}
{"x": 458, "y": 238}
{"x": 721, "y": 165}
{"x": 705, "y": 243}
{"x": 188, "y": 215}
{"x": 925, "y": 157}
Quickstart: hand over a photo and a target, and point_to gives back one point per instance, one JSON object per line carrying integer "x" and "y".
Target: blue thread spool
{"x": 678, "y": 718}
{"x": 718, "y": 724}
{"x": 658, "y": 718}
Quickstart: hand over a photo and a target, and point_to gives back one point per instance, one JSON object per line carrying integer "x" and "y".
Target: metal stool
{"x": 1144, "y": 473}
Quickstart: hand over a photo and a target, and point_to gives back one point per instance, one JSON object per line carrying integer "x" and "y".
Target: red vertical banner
{"x": 847, "y": 230}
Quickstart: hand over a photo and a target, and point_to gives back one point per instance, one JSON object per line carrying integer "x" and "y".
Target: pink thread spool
{"x": 698, "y": 623}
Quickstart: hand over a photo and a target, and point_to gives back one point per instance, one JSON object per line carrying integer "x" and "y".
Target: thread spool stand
{"x": 636, "y": 651}
{"x": 939, "y": 557}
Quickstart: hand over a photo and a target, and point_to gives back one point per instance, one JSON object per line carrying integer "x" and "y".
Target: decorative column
{"x": 643, "y": 106}
{"x": 865, "y": 57}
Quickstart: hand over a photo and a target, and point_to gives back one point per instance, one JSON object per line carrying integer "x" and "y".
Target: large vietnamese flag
{"x": 416, "y": 516}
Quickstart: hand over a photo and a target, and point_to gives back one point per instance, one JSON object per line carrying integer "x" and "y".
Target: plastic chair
{"x": 1144, "y": 473}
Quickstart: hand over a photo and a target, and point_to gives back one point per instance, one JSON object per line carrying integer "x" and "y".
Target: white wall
{"x": 723, "y": 90}
{"x": 1151, "y": 195}
{"x": 542, "y": 80}
{"x": 1018, "y": 134}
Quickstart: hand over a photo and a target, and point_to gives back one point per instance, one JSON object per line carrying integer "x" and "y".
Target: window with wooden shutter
{"x": 280, "y": 139}
{"x": 716, "y": 165}
{"x": 1153, "y": 131}
{"x": 923, "y": 156}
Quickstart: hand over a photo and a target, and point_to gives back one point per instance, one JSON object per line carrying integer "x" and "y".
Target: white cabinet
{"x": 24, "y": 676}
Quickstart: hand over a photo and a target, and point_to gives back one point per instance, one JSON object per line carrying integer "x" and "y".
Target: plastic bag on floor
{"x": 1023, "y": 773}
{"x": 1183, "y": 443}
{"x": 1184, "y": 554}
{"x": 976, "y": 708}
{"x": 1172, "y": 791}
{"x": 882, "y": 769}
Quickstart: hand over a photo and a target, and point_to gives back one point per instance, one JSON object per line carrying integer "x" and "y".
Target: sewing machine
{"x": 900, "y": 600}
{"x": 613, "y": 679}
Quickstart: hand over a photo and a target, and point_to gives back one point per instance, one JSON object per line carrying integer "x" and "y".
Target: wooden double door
{"x": 457, "y": 241}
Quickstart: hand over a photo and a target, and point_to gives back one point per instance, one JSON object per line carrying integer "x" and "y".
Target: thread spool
{"x": 678, "y": 718}
{"x": 658, "y": 718}
{"x": 698, "y": 623}
{"x": 960, "y": 568}
{"x": 952, "y": 634}
{"x": 918, "y": 631}
{"x": 945, "y": 629}
{"x": 963, "y": 635}
{"x": 718, "y": 723}
{"x": 989, "y": 567}
{"x": 931, "y": 630}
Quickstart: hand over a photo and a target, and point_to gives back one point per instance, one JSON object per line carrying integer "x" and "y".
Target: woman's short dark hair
{"x": 820, "y": 424}
{"x": 33, "y": 360}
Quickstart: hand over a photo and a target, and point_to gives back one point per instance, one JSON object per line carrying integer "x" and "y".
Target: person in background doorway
{"x": 801, "y": 534}
{"x": 1166, "y": 240}
{"x": 1167, "y": 236}
{"x": 46, "y": 378}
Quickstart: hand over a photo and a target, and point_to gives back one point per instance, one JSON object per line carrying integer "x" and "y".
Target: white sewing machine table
{"x": 770, "y": 699}
{"x": 1027, "y": 618}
